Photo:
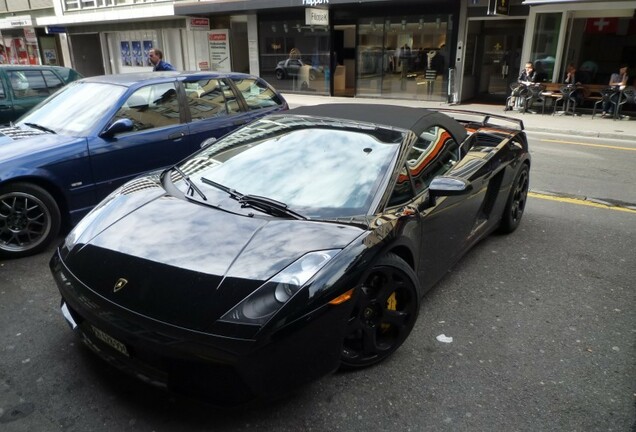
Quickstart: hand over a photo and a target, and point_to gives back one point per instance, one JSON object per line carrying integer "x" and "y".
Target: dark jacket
{"x": 525, "y": 76}
{"x": 163, "y": 66}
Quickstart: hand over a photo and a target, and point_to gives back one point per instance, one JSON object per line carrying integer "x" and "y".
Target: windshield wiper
{"x": 234, "y": 194}
{"x": 40, "y": 127}
{"x": 191, "y": 186}
{"x": 269, "y": 205}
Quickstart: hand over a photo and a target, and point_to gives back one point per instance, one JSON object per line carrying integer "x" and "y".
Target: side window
{"x": 257, "y": 94}
{"x": 402, "y": 191}
{"x": 27, "y": 83}
{"x": 151, "y": 107}
{"x": 52, "y": 81}
{"x": 206, "y": 99}
{"x": 434, "y": 153}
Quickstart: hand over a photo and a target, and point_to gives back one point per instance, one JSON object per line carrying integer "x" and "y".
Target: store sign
{"x": 317, "y": 17}
{"x": 199, "y": 24}
{"x": 315, "y": 2}
{"x": 55, "y": 29}
{"x": 16, "y": 22}
{"x": 498, "y": 7}
{"x": 219, "y": 46}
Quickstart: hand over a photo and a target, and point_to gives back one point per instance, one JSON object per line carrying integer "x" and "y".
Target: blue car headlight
{"x": 259, "y": 306}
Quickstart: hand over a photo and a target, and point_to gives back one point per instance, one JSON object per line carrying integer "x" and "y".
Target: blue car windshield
{"x": 320, "y": 168}
{"x": 76, "y": 109}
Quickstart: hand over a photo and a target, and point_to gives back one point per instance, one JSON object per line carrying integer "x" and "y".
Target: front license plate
{"x": 110, "y": 341}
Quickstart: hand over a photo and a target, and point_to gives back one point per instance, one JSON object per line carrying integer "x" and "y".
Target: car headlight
{"x": 259, "y": 306}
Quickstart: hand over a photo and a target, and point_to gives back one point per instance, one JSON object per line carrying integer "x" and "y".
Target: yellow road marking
{"x": 590, "y": 145}
{"x": 580, "y": 201}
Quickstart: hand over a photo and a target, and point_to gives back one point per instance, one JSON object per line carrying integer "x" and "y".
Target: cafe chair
{"x": 606, "y": 98}
{"x": 533, "y": 95}
{"x": 567, "y": 100}
{"x": 624, "y": 97}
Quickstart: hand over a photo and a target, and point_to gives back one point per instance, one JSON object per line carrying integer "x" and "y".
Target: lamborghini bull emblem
{"x": 120, "y": 284}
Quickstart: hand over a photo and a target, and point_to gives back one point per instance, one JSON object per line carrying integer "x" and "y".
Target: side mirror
{"x": 119, "y": 126}
{"x": 208, "y": 142}
{"x": 448, "y": 186}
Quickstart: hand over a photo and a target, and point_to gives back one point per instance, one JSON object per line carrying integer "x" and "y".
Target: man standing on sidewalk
{"x": 156, "y": 58}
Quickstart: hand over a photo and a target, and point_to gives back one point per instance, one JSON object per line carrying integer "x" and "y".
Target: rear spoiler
{"x": 483, "y": 119}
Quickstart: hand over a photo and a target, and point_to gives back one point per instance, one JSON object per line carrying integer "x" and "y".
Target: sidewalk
{"x": 583, "y": 125}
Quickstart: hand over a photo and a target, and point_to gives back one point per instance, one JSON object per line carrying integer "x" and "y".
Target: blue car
{"x": 59, "y": 160}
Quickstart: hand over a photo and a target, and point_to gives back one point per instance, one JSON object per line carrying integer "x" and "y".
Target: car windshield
{"x": 76, "y": 109}
{"x": 319, "y": 168}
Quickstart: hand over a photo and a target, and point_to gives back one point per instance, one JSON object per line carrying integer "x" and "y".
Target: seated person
{"x": 526, "y": 77}
{"x": 618, "y": 81}
{"x": 577, "y": 78}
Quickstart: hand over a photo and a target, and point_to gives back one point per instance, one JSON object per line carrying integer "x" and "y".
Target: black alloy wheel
{"x": 29, "y": 220}
{"x": 387, "y": 305}
{"x": 516, "y": 201}
{"x": 312, "y": 75}
{"x": 280, "y": 74}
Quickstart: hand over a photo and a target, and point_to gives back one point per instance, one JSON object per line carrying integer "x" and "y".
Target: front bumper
{"x": 198, "y": 364}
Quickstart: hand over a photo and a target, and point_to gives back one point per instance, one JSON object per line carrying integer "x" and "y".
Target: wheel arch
{"x": 404, "y": 253}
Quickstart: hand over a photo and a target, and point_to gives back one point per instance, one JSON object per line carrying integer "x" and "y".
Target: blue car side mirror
{"x": 119, "y": 126}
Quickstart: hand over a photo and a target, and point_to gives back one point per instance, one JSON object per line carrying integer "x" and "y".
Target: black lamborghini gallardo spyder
{"x": 301, "y": 243}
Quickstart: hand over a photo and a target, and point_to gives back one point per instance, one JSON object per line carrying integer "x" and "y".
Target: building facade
{"x": 435, "y": 50}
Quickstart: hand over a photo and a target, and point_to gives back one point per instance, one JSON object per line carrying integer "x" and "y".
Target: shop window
{"x": 544, "y": 43}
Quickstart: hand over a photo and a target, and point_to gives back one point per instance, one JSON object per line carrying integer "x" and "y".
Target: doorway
{"x": 499, "y": 45}
{"x": 87, "y": 54}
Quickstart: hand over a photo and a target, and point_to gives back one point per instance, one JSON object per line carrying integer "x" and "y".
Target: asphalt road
{"x": 543, "y": 329}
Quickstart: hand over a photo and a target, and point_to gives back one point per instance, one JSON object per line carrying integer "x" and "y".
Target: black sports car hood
{"x": 185, "y": 263}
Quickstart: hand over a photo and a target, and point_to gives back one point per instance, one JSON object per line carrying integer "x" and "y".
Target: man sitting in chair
{"x": 526, "y": 77}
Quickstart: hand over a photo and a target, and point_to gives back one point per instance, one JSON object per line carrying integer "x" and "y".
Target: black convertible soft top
{"x": 417, "y": 120}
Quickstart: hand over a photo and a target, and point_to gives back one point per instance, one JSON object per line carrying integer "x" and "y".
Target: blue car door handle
{"x": 176, "y": 135}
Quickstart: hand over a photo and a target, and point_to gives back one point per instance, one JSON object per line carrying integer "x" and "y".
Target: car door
{"x": 214, "y": 109}
{"x": 160, "y": 137}
{"x": 446, "y": 222}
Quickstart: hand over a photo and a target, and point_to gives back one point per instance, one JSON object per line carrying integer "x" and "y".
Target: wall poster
{"x": 219, "y": 45}
{"x": 125, "y": 53}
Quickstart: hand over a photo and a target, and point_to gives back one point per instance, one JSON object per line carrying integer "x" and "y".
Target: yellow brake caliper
{"x": 391, "y": 304}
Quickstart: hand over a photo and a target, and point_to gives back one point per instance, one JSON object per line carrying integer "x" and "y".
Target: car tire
{"x": 312, "y": 75}
{"x": 280, "y": 74}
{"x": 516, "y": 204}
{"x": 387, "y": 306}
{"x": 29, "y": 220}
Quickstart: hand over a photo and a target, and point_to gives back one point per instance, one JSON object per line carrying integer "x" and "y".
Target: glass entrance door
{"x": 500, "y": 45}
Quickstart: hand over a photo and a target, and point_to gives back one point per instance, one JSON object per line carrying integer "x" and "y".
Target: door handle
{"x": 176, "y": 135}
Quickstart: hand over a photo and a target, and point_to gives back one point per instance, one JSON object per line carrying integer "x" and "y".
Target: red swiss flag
{"x": 601, "y": 25}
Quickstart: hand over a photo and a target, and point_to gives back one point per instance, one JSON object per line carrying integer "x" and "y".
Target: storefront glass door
{"x": 403, "y": 57}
